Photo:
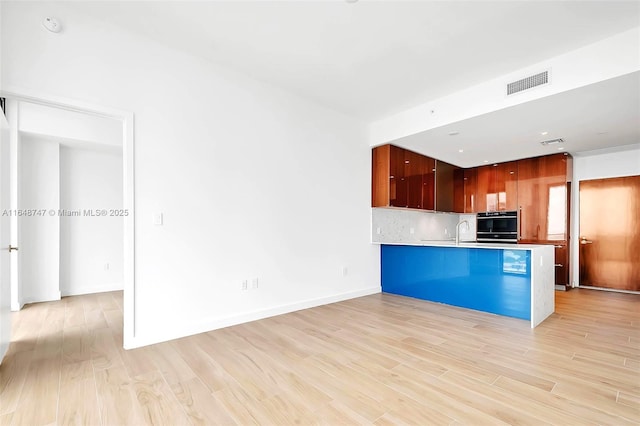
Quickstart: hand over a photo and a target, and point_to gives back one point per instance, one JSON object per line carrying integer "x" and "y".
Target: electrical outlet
{"x": 254, "y": 283}
{"x": 244, "y": 284}
{"x": 378, "y": 231}
{"x": 106, "y": 266}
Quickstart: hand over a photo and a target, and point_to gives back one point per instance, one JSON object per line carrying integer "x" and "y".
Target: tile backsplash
{"x": 394, "y": 225}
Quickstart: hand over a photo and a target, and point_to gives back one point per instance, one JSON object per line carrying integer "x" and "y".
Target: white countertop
{"x": 466, "y": 244}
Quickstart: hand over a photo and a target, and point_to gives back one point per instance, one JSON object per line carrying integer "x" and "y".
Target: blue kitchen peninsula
{"x": 512, "y": 280}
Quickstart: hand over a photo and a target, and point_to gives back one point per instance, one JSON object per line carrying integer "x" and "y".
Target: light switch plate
{"x": 157, "y": 219}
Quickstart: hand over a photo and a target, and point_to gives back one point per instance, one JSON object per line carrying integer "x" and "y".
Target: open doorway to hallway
{"x": 71, "y": 203}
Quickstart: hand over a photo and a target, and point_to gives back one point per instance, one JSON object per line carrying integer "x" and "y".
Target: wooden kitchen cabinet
{"x": 445, "y": 173}
{"x": 464, "y": 190}
{"x": 401, "y": 178}
{"x": 542, "y": 198}
{"x": 506, "y": 185}
{"x": 497, "y": 187}
{"x": 543, "y": 205}
{"x": 397, "y": 179}
{"x": 562, "y": 264}
{"x": 414, "y": 165}
{"x": 428, "y": 183}
{"x": 486, "y": 200}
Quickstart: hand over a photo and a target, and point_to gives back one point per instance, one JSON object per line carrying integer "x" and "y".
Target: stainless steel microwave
{"x": 497, "y": 227}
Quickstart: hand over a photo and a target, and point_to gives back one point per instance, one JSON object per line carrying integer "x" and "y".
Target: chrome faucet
{"x": 462, "y": 222}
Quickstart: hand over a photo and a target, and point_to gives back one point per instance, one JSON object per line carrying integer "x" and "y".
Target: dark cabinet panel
{"x": 444, "y": 186}
{"x": 562, "y": 264}
{"x": 428, "y": 183}
{"x": 458, "y": 191}
{"x": 413, "y": 165}
{"x": 397, "y": 179}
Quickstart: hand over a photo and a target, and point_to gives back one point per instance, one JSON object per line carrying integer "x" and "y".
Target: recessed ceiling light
{"x": 454, "y": 133}
{"x": 560, "y": 148}
{"x": 544, "y": 133}
{"x": 485, "y": 161}
{"x": 461, "y": 150}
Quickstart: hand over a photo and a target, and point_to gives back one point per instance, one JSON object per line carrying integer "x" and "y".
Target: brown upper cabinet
{"x": 497, "y": 187}
{"x": 542, "y": 198}
{"x": 465, "y": 188}
{"x": 402, "y": 178}
{"x": 445, "y": 186}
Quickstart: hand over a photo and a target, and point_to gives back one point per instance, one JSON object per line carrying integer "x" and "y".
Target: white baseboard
{"x": 217, "y": 323}
{"x": 47, "y": 297}
{"x": 92, "y": 289}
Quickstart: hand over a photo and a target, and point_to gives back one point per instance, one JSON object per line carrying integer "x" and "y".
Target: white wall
{"x": 600, "y": 164}
{"x": 252, "y": 181}
{"x": 91, "y": 256}
{"x": 40, "y": 234}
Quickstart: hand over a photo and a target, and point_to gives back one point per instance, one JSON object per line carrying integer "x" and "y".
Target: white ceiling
{"x": 371, "y": 58}
{"x": 604, "y": 114}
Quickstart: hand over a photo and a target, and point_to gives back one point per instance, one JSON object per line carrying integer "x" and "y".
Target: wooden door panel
{"x": 562, "y": 264}
{"x": 380, "y": 167}
{"x": 398, "y": 183}
{"x": 470, "y": 190}
{"x": 507, "y": 185}
{"x": 458, "y": 191}
{"x": 485, "y": 196}
{"x": 413, "y": 174}
{"x": 428, "y": 183}
{"x": 609, "y": 233}
{"x": 528, "y": 199}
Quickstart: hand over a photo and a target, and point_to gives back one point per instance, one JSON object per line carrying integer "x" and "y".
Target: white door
{"x": 5, "y": 238}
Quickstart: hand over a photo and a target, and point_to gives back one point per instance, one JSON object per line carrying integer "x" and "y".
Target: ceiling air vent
{"x": 552, "y": 141}
{"x": 528, "y": 83}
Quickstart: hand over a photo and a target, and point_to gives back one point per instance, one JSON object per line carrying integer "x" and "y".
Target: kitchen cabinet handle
{"x": 520, "y": 225}
{"x": 559, "y": 265}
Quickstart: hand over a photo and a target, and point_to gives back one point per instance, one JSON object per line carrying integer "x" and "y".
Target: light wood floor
{"x": 378, "y": 360}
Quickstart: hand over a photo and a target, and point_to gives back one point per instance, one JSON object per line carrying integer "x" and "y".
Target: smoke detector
{"x": 52, "y": 24}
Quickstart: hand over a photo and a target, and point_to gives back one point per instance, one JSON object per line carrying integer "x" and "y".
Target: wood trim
{"x": 380, "y": 169}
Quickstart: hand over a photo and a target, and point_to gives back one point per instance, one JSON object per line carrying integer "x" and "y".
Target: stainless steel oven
{"x": 497, "y": 227}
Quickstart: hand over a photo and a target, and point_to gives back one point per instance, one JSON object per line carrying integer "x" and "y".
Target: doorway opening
{"x": 72, "y": 166}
